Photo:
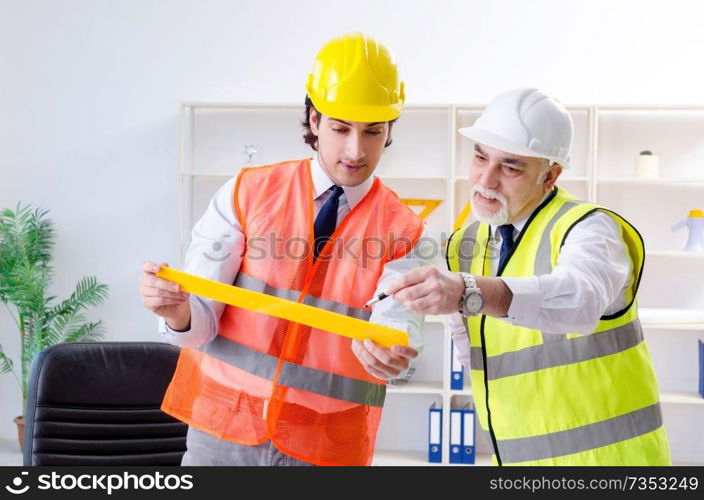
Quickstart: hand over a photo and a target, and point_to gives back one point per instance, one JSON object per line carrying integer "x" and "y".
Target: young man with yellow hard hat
{"x": 546, "y": 286}
{"x": 258, "y": 390}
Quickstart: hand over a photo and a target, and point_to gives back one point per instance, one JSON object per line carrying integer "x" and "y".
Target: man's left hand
{"x": 382, "y": 362}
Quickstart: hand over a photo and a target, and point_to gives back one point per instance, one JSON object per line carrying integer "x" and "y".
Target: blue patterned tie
{"x": 326, "y": 220}
{"x": 506, "y": 243}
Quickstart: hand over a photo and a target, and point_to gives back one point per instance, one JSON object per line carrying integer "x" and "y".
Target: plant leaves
{"x": 6, "y": 365}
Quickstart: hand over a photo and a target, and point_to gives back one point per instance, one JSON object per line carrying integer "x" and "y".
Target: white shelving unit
{"x": 430, "y": 160}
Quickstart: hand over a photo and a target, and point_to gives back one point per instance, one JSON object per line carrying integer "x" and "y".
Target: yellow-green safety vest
{"x": 561, "y": 399}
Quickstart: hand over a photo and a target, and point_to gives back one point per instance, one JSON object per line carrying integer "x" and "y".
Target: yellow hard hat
{"x": 355, "y": 78}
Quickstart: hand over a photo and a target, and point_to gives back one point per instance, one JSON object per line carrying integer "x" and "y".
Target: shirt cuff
{"x": 525, "y": 304}
{"x": 202, "y": 327}
{"x": 164, "y": 328}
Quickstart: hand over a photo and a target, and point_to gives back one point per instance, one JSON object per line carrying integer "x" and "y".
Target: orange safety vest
{"x": 267, "y": 378}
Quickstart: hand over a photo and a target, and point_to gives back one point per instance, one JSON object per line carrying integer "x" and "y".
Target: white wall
{"x": 89, "y": 94}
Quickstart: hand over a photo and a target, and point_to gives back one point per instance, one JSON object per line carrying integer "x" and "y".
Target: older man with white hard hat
{"x": 545, "y": 286}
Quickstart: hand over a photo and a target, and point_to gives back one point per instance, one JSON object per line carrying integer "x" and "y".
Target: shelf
{"x": 482, "y": 460}
{"x": 572, "y": 179}
{"x": 674, "y": 326}
{"x": 211, "y": 175}
{"x": 404, "y": 458}
{"x": 687, "y": 319}
{"x": 674, "y": 253}
{"x": 640, "y": 108}
{"x": 652, "y": 182}
{"x": 674, "y": 397}
{"x": 416, "y": 387}
{"x": 242, "y": 106}
{"x": 385, "y": 458}
{"x": 465, "y": 178}
{"x": 681, "y": 397}
{"x": 436, "y": 318}
{"x": 382, "y": 177}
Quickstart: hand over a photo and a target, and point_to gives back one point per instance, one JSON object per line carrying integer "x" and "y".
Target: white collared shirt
{"x": 218, "y": 243}
{"x": 590, "y": 280}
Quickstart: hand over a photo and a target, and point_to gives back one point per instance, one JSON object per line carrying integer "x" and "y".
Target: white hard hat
{"x": 525, "y": 122}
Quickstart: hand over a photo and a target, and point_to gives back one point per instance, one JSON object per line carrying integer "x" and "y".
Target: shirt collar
{"x": 321, "y": 183}
{"x": 518, "y": 225}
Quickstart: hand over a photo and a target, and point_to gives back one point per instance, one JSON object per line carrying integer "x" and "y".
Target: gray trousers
{"x": 204, "y": 449}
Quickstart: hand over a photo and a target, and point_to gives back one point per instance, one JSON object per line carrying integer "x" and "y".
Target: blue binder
{"x": 468, "y": 435}
{"x": 456, "y": 436}
{"x": 457, "y": 371}
{"x": 701, "y": 367}
{"x": 435, "y": 434}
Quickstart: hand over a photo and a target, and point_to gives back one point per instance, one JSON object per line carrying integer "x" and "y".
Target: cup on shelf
{"x": 646, "y": 165}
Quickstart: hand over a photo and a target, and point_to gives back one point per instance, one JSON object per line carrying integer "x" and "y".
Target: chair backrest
{"x": 98, "y": 403}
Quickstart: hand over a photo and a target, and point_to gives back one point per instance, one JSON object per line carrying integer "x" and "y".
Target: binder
{"x": 456, "y": 448}
{"x": 701, "y": 367}
{"x": 468, "y": 435}
{"x": 435, "y": 434}
{"x": 457, "y": 371}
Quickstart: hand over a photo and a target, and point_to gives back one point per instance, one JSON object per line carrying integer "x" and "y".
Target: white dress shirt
{"x": 590, "y": 280}
{"x": 218, "y": 243}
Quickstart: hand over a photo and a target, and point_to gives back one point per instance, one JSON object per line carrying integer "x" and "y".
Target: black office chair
{"x": 98, "y": 403}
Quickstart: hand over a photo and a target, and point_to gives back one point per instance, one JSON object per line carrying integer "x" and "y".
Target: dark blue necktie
{"x": 326, "y": 220}
{"x": 506, "y": 243}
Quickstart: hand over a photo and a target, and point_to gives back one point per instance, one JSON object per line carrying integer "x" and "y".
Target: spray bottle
{"x": 695, "y": 224}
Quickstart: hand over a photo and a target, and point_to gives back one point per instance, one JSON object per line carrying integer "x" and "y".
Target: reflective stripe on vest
{"x": 552, "y": 354}
{"x": 587, "y": 437}
{"x": 294, "y": 375}
{"x": 543, "y": 261}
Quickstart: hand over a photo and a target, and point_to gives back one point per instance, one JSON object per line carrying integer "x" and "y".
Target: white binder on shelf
{"x": 456, "y": 448}
{"x": 435, "y": 434}
{"x": 468, "y": 435}
{"x": 457, "y": 370}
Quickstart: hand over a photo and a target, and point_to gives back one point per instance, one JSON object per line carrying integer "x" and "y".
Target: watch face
{"x": 473, "y": 303}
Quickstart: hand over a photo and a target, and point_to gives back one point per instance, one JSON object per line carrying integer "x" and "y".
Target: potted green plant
{"x": 26, "y": 242}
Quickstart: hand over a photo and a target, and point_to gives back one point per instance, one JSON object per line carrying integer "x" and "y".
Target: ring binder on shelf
{"x": 435, "y": 434}
{"x": 468, "y": 435}
{"x": 456, "y": 447}
{"x": 457, "y": 371}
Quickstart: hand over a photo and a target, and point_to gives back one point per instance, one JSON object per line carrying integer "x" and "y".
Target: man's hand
{"x": 164, "y": 298}
{"x": 382, "y": 362}
{"x": 428, "y": 290}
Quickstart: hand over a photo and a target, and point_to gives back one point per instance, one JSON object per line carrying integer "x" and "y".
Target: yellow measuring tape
{"x": 286, "y": 309}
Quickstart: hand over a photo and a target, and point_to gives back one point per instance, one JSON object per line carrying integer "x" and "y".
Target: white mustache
{"x": 489, "y": 193}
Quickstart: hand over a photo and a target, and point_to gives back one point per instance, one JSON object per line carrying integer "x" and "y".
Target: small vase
{"x": 20, "y": 430}
{"x": 647, "y": 166}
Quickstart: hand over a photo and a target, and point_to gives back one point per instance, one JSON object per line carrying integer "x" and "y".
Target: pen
{"x": 376, "y": 299}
